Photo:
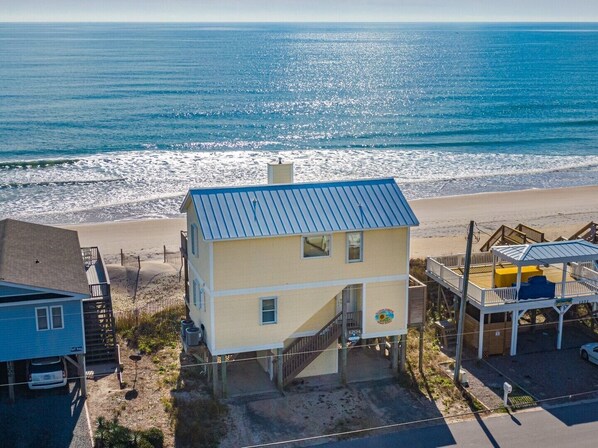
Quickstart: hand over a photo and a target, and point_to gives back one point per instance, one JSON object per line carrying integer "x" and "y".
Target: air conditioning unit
{"x": 193, "y": 336}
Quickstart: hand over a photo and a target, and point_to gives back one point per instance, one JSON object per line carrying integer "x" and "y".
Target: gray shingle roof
{"x": 301, "y": 208}
{"x": 547, "y": 253}
{"x": 41, "y": 256}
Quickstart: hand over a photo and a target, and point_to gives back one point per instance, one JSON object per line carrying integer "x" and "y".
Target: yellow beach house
{"x": 289, "y": 272}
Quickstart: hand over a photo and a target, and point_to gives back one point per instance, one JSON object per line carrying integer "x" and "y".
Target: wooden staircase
{"x": 506, "y": 236}
{"x": 100, "y": 332}
{"x": 588, "y": 232}
{"x": 302, "y": 351}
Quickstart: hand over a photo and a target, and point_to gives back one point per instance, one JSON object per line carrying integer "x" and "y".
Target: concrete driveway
{"x": 49, "y": 419}
{"x": 548, "y": 375}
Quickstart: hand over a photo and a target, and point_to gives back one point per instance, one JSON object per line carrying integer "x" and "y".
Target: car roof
{"x": 44, "y": 361}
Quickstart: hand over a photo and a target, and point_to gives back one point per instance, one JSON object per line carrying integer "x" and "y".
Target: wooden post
{"x": 394, "y": 354}
{"x": 421, "y": 347}
{"x": 481, "y": 336}
{"x": 403, "y": 353}
{"x": 81, "y": 369}
{"x": 11, "y": 381}
{"x": 122, "y": 258}
{"x": 344, "y": 297}
{"x": 164, "y": 246}
{"x": 224, "y": 384}
{"x": 514, "y": 330}
{"x": 215, "y": 390}
{"x": 564, "y": 280}
{"x": 279, "y": 369}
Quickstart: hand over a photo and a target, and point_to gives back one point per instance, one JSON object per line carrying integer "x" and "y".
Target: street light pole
{"x": 459, "y": 350}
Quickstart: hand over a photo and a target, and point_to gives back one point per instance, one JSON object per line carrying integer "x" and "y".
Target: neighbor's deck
{"x": 581, "y": 283}
{"x": 97, "y": 277}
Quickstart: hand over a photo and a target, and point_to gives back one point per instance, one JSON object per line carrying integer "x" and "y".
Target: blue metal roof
{"x": 301, "y": 208}
{"x": 547, "y": 253}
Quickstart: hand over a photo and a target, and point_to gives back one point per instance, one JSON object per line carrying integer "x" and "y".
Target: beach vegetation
{"x": 149, "y": 333}
{"x": 111, "y": 434}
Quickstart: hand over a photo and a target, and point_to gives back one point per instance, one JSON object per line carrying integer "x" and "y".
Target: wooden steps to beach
{"x": 507, "y": 236}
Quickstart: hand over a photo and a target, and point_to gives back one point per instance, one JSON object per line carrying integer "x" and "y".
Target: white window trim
{"x": 262, "y": 299}
{"x": 195, "y": 292}
{"x": 329, "y": 235}
{"x": 194, "y": 242}
{"x": 360, "y": 260}
{"x": 45, "y": 308}
{"x": 61, "y": 317}
{"x": 202, "y": 299}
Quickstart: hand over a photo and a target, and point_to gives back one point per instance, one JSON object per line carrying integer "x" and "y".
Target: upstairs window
{"x": 268, "y": 310}
{"x": 194, "y": 250}
{"x": 316, "y": 246}
{"x": 49, "y": 318}
{"x": 41, "y": 315}
{"x": 195, "y": 292}
{"x": 354, "y": 247}
{"x": 57, "y": 319}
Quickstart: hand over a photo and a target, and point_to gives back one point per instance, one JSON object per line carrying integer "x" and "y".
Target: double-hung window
{"x": 41, "y": 316}
{"x": 195, "y": 293}
{"x": 49, "y": 318}
{"x": 194, "y": 249}
{"x": 354, "y": 247}
{"x": 316, "y": 246}
{"x": 268, "y": 310}
{"x": 57, "y": 318}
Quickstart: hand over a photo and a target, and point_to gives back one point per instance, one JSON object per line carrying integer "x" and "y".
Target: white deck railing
{"x": 585, "y": 285}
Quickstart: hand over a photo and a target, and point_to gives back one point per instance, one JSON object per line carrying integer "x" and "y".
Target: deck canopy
{"x": 547, "y": 253}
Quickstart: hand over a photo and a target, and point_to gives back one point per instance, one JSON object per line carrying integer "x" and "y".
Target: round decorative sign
{"x": 385, "y": 316}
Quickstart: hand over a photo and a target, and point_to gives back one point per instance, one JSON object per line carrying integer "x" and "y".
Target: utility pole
{"x": 459, "y": 350}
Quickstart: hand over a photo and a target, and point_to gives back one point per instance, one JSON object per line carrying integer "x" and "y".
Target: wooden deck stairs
{"x": 100, "y": 331}
{"x": 506, "y": 236}
{"x": 304, "y": 350}
{"x": 588, "y": 232}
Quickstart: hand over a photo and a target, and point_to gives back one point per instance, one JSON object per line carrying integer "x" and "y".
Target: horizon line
{"x": 595, "y": 21}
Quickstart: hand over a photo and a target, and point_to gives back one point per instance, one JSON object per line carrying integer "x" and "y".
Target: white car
{"x": 47, "y": 373}
{"x": 589, "y": 352}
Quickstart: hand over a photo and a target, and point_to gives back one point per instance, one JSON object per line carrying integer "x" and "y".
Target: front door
{"x": 352, "y": 293}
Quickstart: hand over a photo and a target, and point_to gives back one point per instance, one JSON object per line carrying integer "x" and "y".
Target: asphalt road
{"x": 569, "y": 425}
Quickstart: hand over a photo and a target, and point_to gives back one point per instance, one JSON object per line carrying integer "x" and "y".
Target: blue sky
{"x": 298, "y": 10}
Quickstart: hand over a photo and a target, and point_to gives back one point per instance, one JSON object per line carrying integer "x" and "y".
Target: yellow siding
{"x": 264, "y": 262}
{"x": 201, "y": 316}
{"x": 201, "y": 261}
{"x": 391, "y": 295}
{"x": 263, "y": 359}
{"x": 320, "y": 318}
{"x": 324, "y": 364}
{"x": 238, "y": 326}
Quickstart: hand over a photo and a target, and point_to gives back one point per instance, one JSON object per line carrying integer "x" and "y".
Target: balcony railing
{"x": 586, "y": 284}
{"x": 97, "y": 274}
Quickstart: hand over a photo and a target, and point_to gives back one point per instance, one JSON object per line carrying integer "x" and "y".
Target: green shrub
{"x": 154, "y": 436}
{"x": 111, "y": 434}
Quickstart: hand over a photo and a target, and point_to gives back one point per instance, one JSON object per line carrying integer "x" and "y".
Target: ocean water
{"x": 103, "y": 122}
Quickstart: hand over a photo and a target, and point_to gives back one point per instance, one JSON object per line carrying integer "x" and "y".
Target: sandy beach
{"x": 442, "y": 229}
